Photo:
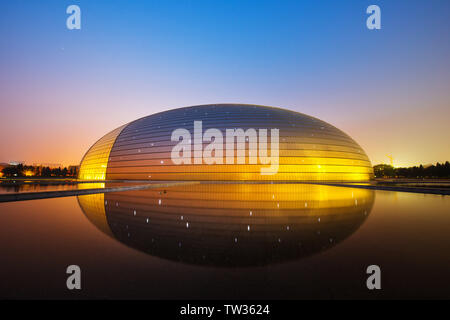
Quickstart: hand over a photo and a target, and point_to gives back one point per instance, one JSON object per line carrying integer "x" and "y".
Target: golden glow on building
{"x": 93, "y": 206}
{"x": 94, "y": 163}
{"x": 266, "y": 196}
{"x": 309, "y": 149}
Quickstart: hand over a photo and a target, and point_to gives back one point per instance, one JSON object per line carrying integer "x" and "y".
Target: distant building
{"x": 15, "y": 163}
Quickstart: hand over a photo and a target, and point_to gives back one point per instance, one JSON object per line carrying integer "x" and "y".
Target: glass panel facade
{"x": 94, "y": 163}
{"x": 309, "y": 149}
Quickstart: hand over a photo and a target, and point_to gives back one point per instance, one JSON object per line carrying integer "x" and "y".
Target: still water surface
{"x": 228, "y": 241}
{"x": 19, "y": 187}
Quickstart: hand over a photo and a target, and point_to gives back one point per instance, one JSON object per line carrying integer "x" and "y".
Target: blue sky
{"x": 389, "y": 88}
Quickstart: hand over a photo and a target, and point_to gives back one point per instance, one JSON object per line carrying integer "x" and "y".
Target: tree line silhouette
{"x": 21, "y": 170}
{"x": 440, "y": 170}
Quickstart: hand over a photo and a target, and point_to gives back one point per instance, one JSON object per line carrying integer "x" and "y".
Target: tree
{"x": 384, "y": 170}
{"x": 434, "y": 171}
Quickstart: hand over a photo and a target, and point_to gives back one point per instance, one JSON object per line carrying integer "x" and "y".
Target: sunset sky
{"x": 61, "y": 90}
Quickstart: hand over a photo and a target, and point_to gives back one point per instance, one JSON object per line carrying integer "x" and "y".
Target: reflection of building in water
{"x": 94, "y": 208}
{"x": 231, "y": 224}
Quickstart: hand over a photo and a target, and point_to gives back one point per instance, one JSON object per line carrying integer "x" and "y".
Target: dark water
{"x": 228, "y": 241}
{"x": 19, "y": 186}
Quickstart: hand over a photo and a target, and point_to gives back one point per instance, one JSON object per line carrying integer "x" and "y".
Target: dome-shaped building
{"x": 227, "y": 142}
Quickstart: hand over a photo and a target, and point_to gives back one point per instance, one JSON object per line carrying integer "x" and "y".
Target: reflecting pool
{"x": 230, "y": 224}
{"x": 231, "y": 241}
{"x": 24, "y": 186}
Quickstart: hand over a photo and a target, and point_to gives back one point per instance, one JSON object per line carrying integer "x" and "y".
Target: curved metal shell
{"x": 309, "y": 149}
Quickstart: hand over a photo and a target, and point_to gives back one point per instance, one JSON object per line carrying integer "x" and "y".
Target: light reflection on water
{"x": 406, "y": 234}
{"x": 230, "y": 224}
{"x": 24, "y": 186}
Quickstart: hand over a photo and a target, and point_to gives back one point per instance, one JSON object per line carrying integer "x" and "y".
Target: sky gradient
{"x": 61, "y": 90}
